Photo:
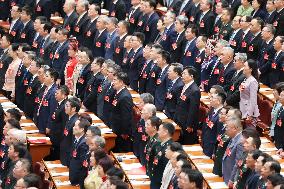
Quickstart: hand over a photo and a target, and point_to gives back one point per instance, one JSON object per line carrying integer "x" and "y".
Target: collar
{"x": 234, "y": 138}
{"x": 111, "y": 33}
{"x": 278, "y": 52}
{"x": 115, "y": 1}
{"x": 117, "y": 92}
{"x": 93, "y": 19}
{"x": 204, "y": 13}
{"x": 256, "y": 34}
{"x": 123, "y": 36}
{"x": 136, "y": 50}
{"x": 280, "y": 10}
{"x": 187, "y": 85}
{"x": 61, "y": 101}
{"x": 200, "y": 51}
{"x": 70, "y": 13}
{"x": 174, "y": 81}
{"x": 246, "y": 31}
{"x": 191, "y": 40}
{"x": 78, "y": 138}
{"x": 79, "y": 18}
{"x": 238, "y": 71}
{"x": 34, "y": 76}
{"x": 267, "y": 42}
{"x": 169, "y": 26}
{"x": 163, "y": 69}
{"x": 47, "y": 36}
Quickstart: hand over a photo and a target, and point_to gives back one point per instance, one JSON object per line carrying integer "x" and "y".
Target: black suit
{"x": 119, "y": 50}
{"x": 143, "y": 75}
{"x": 233, "y": 94}
{"x": 90, "y": 33}
{"x": 187, "y": 113}
{"x": 45, "y": 48}
{"x": 107, "y": 106}
{"x": 133, "y": 18}
{"x": 162, "y": 85}
{"x": 245, "y": 39}
{"x": 82, "y": 81}
{"x": 26, "y": 35}
{"x": 44, "y": 8}
{"x": 91, "y": 91}
{"x": 4, "y": 8}
{"x": 226, "y": 76}
{"x": 5, "y": 60}
{"x": 271, "y": 17}
{"x": 98, "y": 48}
{"x": 173, "y": 93}
{"x": 152, "y": 79}
{"x": 78, "y": 169}
{"x": 254, "y": 47}
{"x": 21, "y": 82}
{"x": 122, "y": 119}
{"x": 276, "y": 69}
{"x": 38, "y": 97}
{"x": 118, "y": 10}
{"x": 17, "y": 27}
{"x": 260, "y": 13}
{"x": 150, "y": 29}
{"x": 176, "y": 47}
{"x": 102, "y": 89}
{"x": 205, "y": 24}
{"x": 70, "y": 21}
{"x": 80, "y": 28}
{"x": 175, "y": 6}
{"x": 235, "y": 40}
{"x": 66, "y": 142}
{"x": 279, "y": 22}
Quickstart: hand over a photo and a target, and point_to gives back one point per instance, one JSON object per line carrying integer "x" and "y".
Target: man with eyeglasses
{"x": 247, "y": 35}
{"x": 236, "y": 36}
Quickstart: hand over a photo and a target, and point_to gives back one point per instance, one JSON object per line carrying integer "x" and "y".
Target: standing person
{"x": 248, "y": 93}
{"x": 112, "y": 36}
{"x": 47, "y": 103}
{"x": 165, "y": 134}
{"x": 121, "y": 113}
{"x": 9, "y": 84}
{"x": 187, "y": 107}
{"x": 71, "y": 64}
{"x": 72, "y": 107}
{"x": 90, "y": 31}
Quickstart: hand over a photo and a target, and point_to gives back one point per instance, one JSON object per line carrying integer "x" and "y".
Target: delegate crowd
{"x": 225, "y": 48}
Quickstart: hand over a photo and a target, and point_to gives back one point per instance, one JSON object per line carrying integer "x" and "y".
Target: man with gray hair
{"x": 100, "y": 37}
{"x": 139, "y": 133}
{"x": 177, "y": 42}
{"x": 111, "y": 37}
{"x": 234, "y": 150}
{"x": 233, "y": 94}
{"x": 228, "y": 70}
{"x": 97, "y": 142}
{"x": 71, "y": 15}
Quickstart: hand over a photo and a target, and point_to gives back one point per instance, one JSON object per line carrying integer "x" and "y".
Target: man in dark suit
{"x": 119, "y": 50}
{"x": 15, "y": 24}
{"x": 127, "y": 54}
{"x": 4, "y": 8}
{"x": 117, "y": 9}
{"x": 226, "y": 27}
{"x": 37, "y": 37}
{"x": 169, "y": 33}
{"x": 48, "y": 102}
{"x": 45, "y": 46}
{"x": 211, "y": 124}
{"x": 189, "y": 48}
{"x": 205, "y": 21}
{"x": 234, "y": 5}
{"x": 178, "y": 40}
{"x": 237, "y": 33}
{"x": 44, "y": 8}
{"x": 255, "y": 43}
{"x": 186, "y": 9}
{"x": 99, "y": 42}
{"x": 174, "y": 89}
{"x": 150, "y": 27}
{"x": 136, "y": 60}
{"x": 247, "y": 35}
{"x": 91, "y": 28}
{"x": 271, "y": 12}
{"x": 78, "y": 169}
{"x": 279, "y": 21}
{"x": 228, "y": 70}
{"x": 187, "y": 107}
{"x": 111, "y": 37}
{"x": 72, "y": 107}
{"x": 58, "y": 122}
{"x": 91, "y": 90}
{"x": 165, "y": 134}
{"x": 200, "y": 56}
{"x": 71, "y": 16}
{"x": 82, "y": 21}
{"x": 133, "y": 16}
{"x": 174, "y": 5}
{"x": 267, "y": 52}
{"x": 218, "y": 21}
{"x": 60, "y": 55}
{"x": 85, "y": 58}
{"x": 27, "y": 33}
{"x": 233, "y": 94}
{"x": 121, "y": 113}
{"x": 162, "y": 84}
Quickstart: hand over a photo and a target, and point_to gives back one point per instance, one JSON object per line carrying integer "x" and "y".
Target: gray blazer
{"x": 230, "y": 160}
{"x": 248, "y": 95}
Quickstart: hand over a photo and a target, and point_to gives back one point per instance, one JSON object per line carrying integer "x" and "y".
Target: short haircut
{"x": 115, "y": 171}
{"x": 270, "y": 28}
{"x": 147, "y": 98}
{"x": 276, "y": 179}
{"x": 155, "y": 121}
{"x": 26, "y": 164}
{"x": 118, "y": 183}
{"x": 15, "y": 124}
{"x": 9, "y": 38}
{"x": 86, "y": 116}
{"x": 169, "y": 127}
{"x": 96, "y": 131}
{"x": 125, "y": 24}
{"x": 182, "y": 156}
{"x": 84, "y": 124}
{"x": 53, "y": 74}
{"x": 64, "y": 31}
{"x": 255, "y": 154}
{"x": 219, "y": 89}
{"x": 191, "y": 71}
{"x": 21, "y": 148}
{"x": 266, "y": 158}
{"x": 99, "y": 141}
{"x": 194, "y": 176}
{"x": 151, "y": 108}
{"x": 183, "y": 20}
{"x": 177, "y": 68}
{"x": 15, "y": 46}
{"x": 99, "y": 61}
{"x": 32, "y": 180}
{"x": 15, "y": 113}
{"x": 47, "y": 27}
{"x": 99, "y": 154}
{"x": 278, "y": 87}
{"x": 175, "y": 146}
{"x": 121, "y": 76}
{"x": 25, "y": 47}
{"x": 64, "y": 90}
{"x": 165, "y": 56}
{"x": 259, "y": 22}
{"x": 19, "y": 135}
{"x": 275, "y": 166}
{"x": 113, "y": 20}
{"x": 152, "y": 3}
{"x": 106, "y": 163}
{"x": 97, "y": 8}
{"x": 241, "y": 56}
{"x": 250, "y": 132}
{"x": 222, "y": 97}
{"x": 28, "y": 10}
{"x": 193, "y": 28}
{"x": 88, "y": 53}
{"x": 42, "y": 19}
{"x": 140, "y": 36}
{"x": 74, "y": 103}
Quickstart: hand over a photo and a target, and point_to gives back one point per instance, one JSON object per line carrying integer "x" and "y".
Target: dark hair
{"x": 191, "y": 71}
{"x": 276, "y": 179}
{"x": 253, "y": 65}
{"x": 21, "y": 148}
{"x": 194, "y": 176}
{"x": 250, "y": 132}
{"x": 121, "y": 76}
{"x": 255, "y": 154}
{"x": 15, "y": 113}
{"x": 64, "y": 90}
{"x": 175, "y": 146}
{"x": 193, "y": 28}
{"x": 9, "y": 37}
{"x": 42, "y": 19}
{"x": 47, "y": 27}
{"x": 96, "y": 131}
{"x": 106, "y": 163}
{"x": 182, "y": 156}
{"x": 266, "y": 158}
{"x": 230, "y": 12}
{"x": 53, "y": 73}
{"x": 98, "y": 8}
{"x": 15, "y": 46}
{"x": 248, "y": 18}
{"x": 88, "y": 52}
{"x": 275, "y": 166}
{"x": 100, "y": 61}
{"x": 177, "y": 68}
{"x": 15, "y": 124}
{"x": 157, "y": 46}
{"x": 185, "y": 164}
{"x": 155, "y": 121}
{"x": 115, "y": 171}
{"x": 99, "y": 154}
{"x": 140, "y": 36}
{"x": 152, "y": 3}
{"x": 84, "y": 124}
{"x": 28, "y": 10}
{"x": 222, "y": 97}
{"x": 86, "y": 116}
{"x": 74, "y": 103}
{"x": 169, "y": 127}
{"x": 119, "y": 184}
{"x": 25, "y": 47}
{"x": 165, "y": 56}
{"x": 278, "y": 87}
{"x": 32, "y": 180}
{"x": 260, "y": 22}
{"x": 218, "y": 88}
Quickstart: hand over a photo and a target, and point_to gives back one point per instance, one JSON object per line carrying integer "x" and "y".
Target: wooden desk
{"x": 161, "y": 115}
{"x": 58, "y": 175}
{"x": 56, "y": 20}
{"x": 127, "y": 162}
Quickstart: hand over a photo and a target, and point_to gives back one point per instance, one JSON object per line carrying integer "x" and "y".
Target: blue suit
{"x": 150, "y": 29}
{"x": 166, "y": 37}
{"x": 231, "y": 157}
{"x": 110, "y": 43}
{"x": 17, "y": 27}
{"x": 162, "y": 85}
{"x": 99, "y": 44}
{"x": 27, "y": 33}
{"x": 189, "y": 53}
{"x": 46, "y": 108}
{"x": 60, "y": 58}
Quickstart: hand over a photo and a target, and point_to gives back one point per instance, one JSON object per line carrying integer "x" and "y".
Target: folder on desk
{"x": 137, "y": 171}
